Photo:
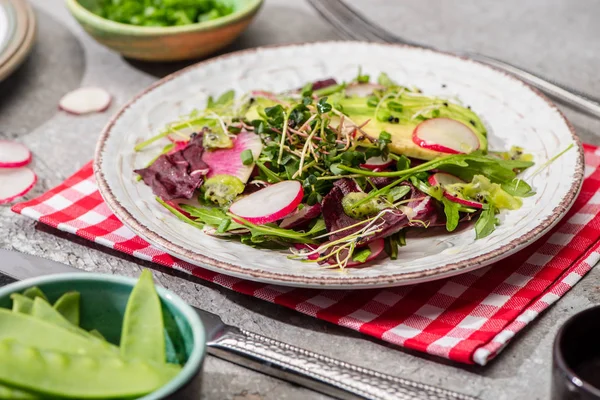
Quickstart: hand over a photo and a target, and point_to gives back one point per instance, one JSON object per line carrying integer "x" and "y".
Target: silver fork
{"x": 354, "y": 25}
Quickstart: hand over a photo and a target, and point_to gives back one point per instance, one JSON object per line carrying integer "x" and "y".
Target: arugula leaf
{"x": 518, "y": 187}
{"x": 476, "y": 164}
{"x": 434, "y": 191}
{"x": 451, "y": 209}
{"x": 285, "y": 234}
{"x": 179, "y": 215}
{"x": 486, "y": 223}
{"x": 271, "y": 176}
{"x": 398, "y": 192}
{"x": 212, "y": 216}
{"x": 362, "y": 255}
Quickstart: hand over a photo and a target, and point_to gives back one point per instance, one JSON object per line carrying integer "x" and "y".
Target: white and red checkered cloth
{"x": 468, "y": 318}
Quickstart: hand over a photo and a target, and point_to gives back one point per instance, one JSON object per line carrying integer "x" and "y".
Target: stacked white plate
{"x": 17, "y": 34}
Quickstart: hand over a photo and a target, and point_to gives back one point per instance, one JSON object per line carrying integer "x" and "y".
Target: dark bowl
{"x": 576, "y": 361}
{"x": 103, "y": 301}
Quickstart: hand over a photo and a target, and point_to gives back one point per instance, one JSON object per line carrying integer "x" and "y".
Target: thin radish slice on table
{"x": 443, "y": 179}
{"x": 13, "y": 155}
{"x": 229, "y": 161}
{"x": 85, "y": 100}
{"x": 446, "y": 136}
{"x": 269, "y": 204}
{"x": 377, "y": 163}
{"x": 15, "y": 182}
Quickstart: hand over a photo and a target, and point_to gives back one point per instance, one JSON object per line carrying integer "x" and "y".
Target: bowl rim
{"x": 249, "y": 7}
{"x": 194, "y": 362}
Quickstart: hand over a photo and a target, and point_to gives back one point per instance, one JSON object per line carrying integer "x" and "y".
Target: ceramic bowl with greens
{"x": 95, "y": 336}
{"x": 164, "y": 30}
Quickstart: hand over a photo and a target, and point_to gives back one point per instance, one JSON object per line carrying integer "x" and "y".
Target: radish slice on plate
{"x": 377, "y": 163}
{"x": 85, "y": 100}
{"x": 445, "y": 135}
{"x": 443, "y": 179}
{"x": 229, "y": 161}
{"x": 269, "y": 204}
{"x": 307, "y": 248}
{"x": 13, "y": 155}
{"x": 15, "y": 182}
{"x": 376, "y": 247}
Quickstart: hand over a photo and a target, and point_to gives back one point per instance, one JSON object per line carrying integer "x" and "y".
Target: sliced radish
{"x": 443, "y": 179}
{"x": 376, "y": 247}
{"x": 13, "y": 155}
{"x": 445, "y": 135}
{"x": 362, "y": 89}
{"x": 85, "y": 100}
{"x": 269, "y": 204}
{"x": 302, "y": 217}
{"x": 377, "y": 163}
{"x": 229, "y": 161}
{"x": 307, "y": 248}
{"x": 15, "y": 182}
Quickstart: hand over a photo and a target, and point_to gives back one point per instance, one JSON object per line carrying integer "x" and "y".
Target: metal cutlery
{"x": 315, "y": 371}
{"x": 354, "y": 25}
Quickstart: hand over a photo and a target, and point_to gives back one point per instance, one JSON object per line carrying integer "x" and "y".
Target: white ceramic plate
{"x": 514, "y": 113}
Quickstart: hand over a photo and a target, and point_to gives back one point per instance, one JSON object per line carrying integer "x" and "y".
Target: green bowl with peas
{"x": 164, "y": 30}
{"x": 98, "y": 336}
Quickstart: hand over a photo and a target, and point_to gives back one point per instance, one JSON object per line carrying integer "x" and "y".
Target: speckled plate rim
{"x": 25, "y": 48}
{"x": 346, "y": 282}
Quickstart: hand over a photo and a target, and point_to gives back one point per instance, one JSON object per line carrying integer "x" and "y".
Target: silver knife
{"x": 315, "y": 371}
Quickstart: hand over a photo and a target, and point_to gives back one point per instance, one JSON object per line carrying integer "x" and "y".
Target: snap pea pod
{"x": 16, "y": 394}
{"x": 34, "y": 332}
{"x": 21, "y": 304}
{"x": 96, "y": 333}
{"x": 68, "y": 306}
{"x": 43, "y": 310}
{"x": 142, "y": 335}
{"x": 34, "y": 292}
{"x": 51, "y": 373}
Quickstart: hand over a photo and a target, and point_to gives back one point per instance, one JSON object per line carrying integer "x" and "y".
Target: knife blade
{"x": 315, "y": 371}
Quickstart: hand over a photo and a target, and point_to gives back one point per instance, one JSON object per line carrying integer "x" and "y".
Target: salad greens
{"x": 46, "y": 354}
{"x": 372, "y": 159}
{"x": 161, "y": 12}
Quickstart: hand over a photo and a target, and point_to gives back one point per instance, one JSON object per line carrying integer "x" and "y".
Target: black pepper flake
{"x": 396, "y": 120}
{"x": 472, "y": 122}
{"x": 443, "y": 85}
{"x": 252, "y": 100}
{"x": 445, "y": 104}
{"x": 391, "y": 119}
{"x": 469, "y": 107}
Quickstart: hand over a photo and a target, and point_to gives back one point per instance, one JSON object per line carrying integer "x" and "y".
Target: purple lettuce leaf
{"x": 179, "y": 174}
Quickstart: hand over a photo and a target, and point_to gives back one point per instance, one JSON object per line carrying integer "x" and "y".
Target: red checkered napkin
{"x": 468, "y": 318}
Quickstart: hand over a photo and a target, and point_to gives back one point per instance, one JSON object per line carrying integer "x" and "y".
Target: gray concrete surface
{"x": 555, "y": 37}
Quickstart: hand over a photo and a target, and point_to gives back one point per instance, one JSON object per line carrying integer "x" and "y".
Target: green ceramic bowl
{"x": 173, "y": 43}
{"x": 103, "y": 301}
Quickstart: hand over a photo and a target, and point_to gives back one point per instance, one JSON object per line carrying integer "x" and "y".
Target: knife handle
{"x": 327, "y": 375}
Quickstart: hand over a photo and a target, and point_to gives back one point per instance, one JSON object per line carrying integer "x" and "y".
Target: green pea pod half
{"x": 57, "y": 374}
{"x": 142, "y": 335}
